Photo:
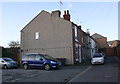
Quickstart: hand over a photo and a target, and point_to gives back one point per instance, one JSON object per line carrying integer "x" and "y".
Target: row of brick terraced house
{"x": 58, "y": 37}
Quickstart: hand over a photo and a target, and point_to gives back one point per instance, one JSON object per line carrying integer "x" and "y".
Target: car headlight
{"x": 101, "y": 59}
{"x": 52, "y": 62}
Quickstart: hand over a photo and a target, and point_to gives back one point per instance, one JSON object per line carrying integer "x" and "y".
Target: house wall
{"x": 82, "y": 46}
{"x": 77, "y": 50}
{"x": 102, "y": 42}
{"x": 114, "y": 44}
{"x": 93, "y": 47}
{"x": 55, "y": 37}
{"x": 110, "y": 51}
{"x": 118, "y": 50}
{"x": 88, "y": 46}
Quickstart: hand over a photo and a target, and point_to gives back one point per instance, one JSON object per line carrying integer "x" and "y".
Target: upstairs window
{"x": 82, "y": 39}
{"x": 36, "y": 35}
{"x": 76, "y": 33}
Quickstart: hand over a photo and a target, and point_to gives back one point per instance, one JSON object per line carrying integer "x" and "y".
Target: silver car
{"x": 98, "y": 58}
{"x": 8, "y": 63}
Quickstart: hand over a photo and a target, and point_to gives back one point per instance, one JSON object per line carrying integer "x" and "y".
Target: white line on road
{"x": 80, "y": 74}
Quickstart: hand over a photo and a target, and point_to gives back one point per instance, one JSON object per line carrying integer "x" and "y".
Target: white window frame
{"x": 37, "y": 35}
{"x": 76, "y": 33}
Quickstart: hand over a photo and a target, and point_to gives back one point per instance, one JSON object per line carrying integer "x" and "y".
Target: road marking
{"x": 80, "y": 74}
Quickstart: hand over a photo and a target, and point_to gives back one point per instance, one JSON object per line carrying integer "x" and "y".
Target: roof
{"x": 36, "y": 17}
{"x": 43, "y": 11}
{"x": 97, "y": 36}
{"x": 114, "y": 43}
{"x": 110, "y": 42}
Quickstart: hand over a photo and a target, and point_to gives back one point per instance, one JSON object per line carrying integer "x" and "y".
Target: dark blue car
{"x": 39, "y": 60}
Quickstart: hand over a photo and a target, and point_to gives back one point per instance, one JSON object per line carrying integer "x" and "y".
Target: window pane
{"x": 38, "y": 57}
{"x": 25, "y": 57}
{"x": 76, "y": 33}
{"x": 37, "y": 35}
{"x": 32, "y": 57}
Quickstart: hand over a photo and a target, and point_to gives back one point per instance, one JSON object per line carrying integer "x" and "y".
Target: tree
{"x": 14, "y": 44}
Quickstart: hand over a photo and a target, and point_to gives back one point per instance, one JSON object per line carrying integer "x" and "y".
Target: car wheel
{"x": 47, "y": 67}
{"x": 5, "y": 67}
{"x": 25, "y": 66}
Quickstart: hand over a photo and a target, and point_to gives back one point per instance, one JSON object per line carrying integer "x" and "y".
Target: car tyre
{"x": 5, "y": 67}
{"x": 25, "y": 66}
{"x": 47, "y": 67}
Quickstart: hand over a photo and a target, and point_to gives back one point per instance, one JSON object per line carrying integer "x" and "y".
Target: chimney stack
{"x": 56, "y": 13}
{"x": 79, "y": 26}
{"x": 66, "y": 15}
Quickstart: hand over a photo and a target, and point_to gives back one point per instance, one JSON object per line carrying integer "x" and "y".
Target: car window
{"x": 97, "y": 55}
{"x": 49, "y": 57}
{"x": 32, "y": 56}
{"x": 38, "y": 57}
{"x": 7, "y": 59}
{"x": 25, "y": 57}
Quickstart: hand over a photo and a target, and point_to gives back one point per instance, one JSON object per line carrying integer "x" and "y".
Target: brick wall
{"x": 118, "y": 50}
{"x": 102, "y": 42}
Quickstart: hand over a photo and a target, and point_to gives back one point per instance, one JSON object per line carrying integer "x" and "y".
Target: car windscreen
{"x": 50, "y": 58}
{"x": 7, "y": 59}
{"x": 97, "y": 55}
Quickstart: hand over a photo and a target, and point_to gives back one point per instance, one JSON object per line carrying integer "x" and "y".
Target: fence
{"x": 109, "y": 51}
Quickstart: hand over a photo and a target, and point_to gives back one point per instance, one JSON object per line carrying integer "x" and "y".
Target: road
{"x": 77, "y": 73}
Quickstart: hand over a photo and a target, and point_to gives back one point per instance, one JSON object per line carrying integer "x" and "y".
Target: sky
{"x": 98, "y": 17}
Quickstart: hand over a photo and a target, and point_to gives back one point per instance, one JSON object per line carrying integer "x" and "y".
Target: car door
{"x": 39, "y": 60}
{"x": 31, "y": 59}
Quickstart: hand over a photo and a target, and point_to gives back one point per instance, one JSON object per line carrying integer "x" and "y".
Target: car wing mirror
{"x": 2, "y": 61}
{"x": 41, "y": 59}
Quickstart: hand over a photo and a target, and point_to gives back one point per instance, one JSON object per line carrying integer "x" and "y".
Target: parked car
{"x": 103, "y": 55}
{"x": 8, "y": 63}
{"x": 98, "y": 58}
{"x": 40, "y": 60}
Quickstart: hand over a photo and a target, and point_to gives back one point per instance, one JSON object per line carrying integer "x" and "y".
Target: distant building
{"x": 92, "y": 47}
{"x": 110, "y": 43}
{"x": 101, "y": 40}
{"x": 58, "y": 37}
{"x": 114, "y": 43}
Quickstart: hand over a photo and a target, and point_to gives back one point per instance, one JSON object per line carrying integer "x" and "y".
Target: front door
{"x": 79, "y": 47}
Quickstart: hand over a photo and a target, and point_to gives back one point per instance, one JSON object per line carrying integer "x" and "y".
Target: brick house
{"x": 102, "y": 43}
{"x": 114, "y": 43}
{"x": 55, "y": 36}
{"x": 101, "y": 40}
{"x": 115, "y": 47}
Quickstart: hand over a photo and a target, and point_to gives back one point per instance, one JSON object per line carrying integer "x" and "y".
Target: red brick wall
{"x": 118, "y": 50}
{"x": 110, "y": 52}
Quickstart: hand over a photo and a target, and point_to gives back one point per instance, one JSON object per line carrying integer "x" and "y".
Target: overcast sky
{"x": 98, "y": 17}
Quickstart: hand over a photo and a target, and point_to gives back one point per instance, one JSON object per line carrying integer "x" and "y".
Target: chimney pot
{"x": 67, "y": 12}
{"x": 66, "y": 16}
{"x": 64, "y": 12}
